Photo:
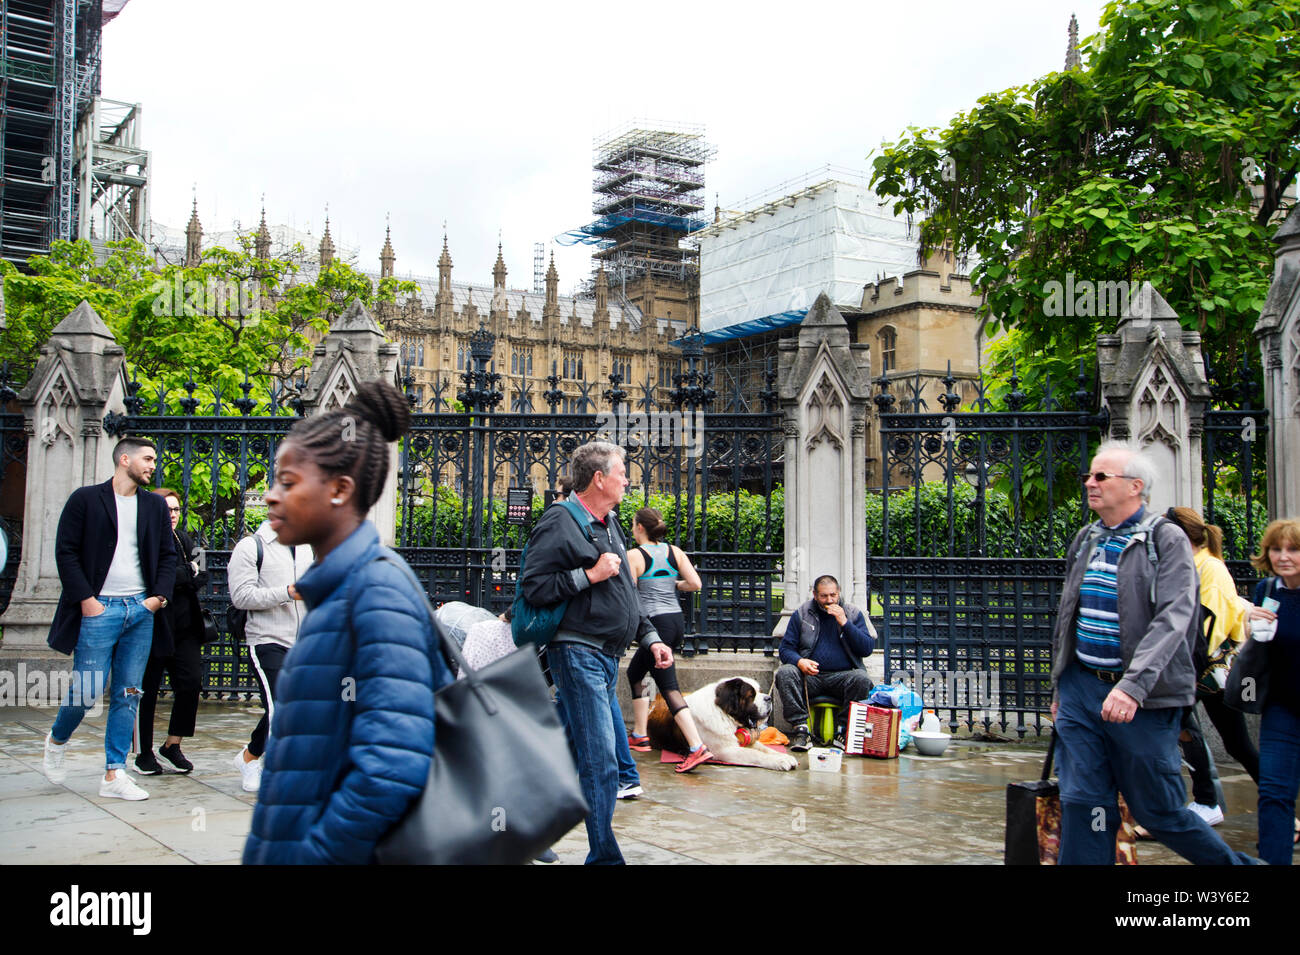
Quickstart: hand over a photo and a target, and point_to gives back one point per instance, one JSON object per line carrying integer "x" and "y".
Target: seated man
{"x": 821, "y": 655}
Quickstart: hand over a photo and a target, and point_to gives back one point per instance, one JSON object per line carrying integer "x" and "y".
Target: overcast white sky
{"x": 483, "y": 114}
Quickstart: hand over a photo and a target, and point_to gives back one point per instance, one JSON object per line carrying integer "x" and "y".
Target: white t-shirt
{"x": 125, "y": 577}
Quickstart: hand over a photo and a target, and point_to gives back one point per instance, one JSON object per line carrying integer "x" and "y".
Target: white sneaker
{"x": 55, "y": 771}
{"x": 121, "y": 786}
{"x": 1212, "y": 815}
{"x": 630, "y": 792}
{"x": 251, "y": 773}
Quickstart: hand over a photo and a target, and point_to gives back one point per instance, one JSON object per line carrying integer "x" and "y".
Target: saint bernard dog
{"x": 729, "y": 715}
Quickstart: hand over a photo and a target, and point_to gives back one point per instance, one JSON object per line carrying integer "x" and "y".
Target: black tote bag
{"x": 502, "y": 784}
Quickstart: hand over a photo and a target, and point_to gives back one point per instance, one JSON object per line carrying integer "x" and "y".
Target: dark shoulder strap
{"x": 580, "y": 516}
{"x": 258, "y": 541}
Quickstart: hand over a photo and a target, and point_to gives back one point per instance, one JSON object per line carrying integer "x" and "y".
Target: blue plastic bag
{"x": 900, "y": 696}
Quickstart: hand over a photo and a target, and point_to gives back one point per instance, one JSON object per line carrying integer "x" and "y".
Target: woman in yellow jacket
{"x": 1219, "y": 596}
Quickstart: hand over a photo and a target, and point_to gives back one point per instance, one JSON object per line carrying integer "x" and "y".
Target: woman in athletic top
{"x": 661, "y": 571}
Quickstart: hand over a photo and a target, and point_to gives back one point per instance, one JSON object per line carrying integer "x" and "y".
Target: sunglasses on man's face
{"x": 1100, "y": 476}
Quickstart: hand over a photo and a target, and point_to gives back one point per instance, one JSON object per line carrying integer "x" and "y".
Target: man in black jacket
{"x": 587, "y": 566}
{"x": 117, "y": 565}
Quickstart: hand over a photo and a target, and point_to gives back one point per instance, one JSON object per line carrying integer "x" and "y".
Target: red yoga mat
{"x": 668, "y": 756}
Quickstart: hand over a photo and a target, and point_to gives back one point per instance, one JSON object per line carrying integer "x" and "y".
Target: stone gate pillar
{"x": 79, "y": 378}
{"x": 1153, "y": 384}
{"x": 824, "y": 385}
{"x": 1278, "y": 333}
{"x": 352, "y": 352}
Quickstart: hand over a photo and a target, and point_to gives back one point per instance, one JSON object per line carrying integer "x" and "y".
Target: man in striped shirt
{"x": 1122, "y": 671}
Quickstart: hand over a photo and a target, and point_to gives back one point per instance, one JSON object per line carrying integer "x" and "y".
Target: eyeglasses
{"x": 174, "y": 510}
{"x": 1100, "y": 476}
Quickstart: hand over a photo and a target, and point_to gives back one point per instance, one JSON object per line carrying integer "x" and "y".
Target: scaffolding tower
{"x": 112, "y": 173}
{"x": 49, "y": 78}
{"x": 649, "y": 193}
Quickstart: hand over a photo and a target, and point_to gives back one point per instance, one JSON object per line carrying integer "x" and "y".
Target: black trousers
{"x": 186, "y": 668}
{"x": 267, "y": 659}
{"x": 1231, "y": 725}
{"x": 844, "y": 685}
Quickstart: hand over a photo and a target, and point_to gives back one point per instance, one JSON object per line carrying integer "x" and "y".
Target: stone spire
{"x": 326, "y": 246}
{"x": 552, "y": 284}
{"x": 499, "y": 270}
{"x": 262, "y": 242}
{"x": 193, "y": 238}
{"x": 551, "y": 304}
{"x": 602, "y": 291}
{"x": 386, "y": 256}
{"x": 1072, "y": 59}
{"x": 444, "y": 273}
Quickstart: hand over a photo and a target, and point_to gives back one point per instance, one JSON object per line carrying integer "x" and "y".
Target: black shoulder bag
{"x": 502, "y": 784}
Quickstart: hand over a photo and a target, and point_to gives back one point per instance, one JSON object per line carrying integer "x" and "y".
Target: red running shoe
{"x": 639, "y": 743}
{"x": 694, "y": 759}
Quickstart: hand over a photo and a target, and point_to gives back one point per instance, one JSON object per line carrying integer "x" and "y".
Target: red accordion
{"x": 872, "y": 731}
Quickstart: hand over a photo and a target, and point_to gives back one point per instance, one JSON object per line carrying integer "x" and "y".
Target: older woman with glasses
{"x": 1275, "y": 622}
{"x": 180, "y": 657}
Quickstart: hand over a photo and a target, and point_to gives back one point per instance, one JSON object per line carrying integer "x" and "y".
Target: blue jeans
{"x": 586, "y": 682}
{"x": 1279, "y": 782}
{"x": 113, "y": 649}
{"x": 1143, "y": 760}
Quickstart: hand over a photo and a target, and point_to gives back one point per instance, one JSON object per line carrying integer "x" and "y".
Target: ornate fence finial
{"x": 949, "y": 399}
{"x": 884, "y": 401}
{"x": 769, "y": 394}
{"x": 1015, "y": 399}
{"x": 245, "y": 404}
{"x": 553, "y": 395}
{"x": 189, "y": 404}
{"x": 614, "y": 394}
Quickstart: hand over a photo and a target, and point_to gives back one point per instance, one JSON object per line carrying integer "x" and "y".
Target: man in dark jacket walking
{"x": 587, "y": 566}
{"x": 821, "y": 655}
{"x": 1122, "y": 671}
{"x": 117, "y": 565}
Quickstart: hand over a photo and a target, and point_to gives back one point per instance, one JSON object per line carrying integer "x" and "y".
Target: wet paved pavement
{"x": 911, "y": 810}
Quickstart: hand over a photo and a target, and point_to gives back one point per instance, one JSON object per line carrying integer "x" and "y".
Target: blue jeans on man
{"x": 112, "y": 650}
{"x": 1142, "y": 759}
{"x": 586, "y": 681}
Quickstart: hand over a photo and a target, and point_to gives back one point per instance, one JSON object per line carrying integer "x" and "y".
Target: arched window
{"x": 460, "y": 359}
{"x": 888, "y": 339}
{"x": 514, "y": 363}
{"x": 530, "y": 363}
{"x": 579, "y": 367}
{"x": 421, "y": 354}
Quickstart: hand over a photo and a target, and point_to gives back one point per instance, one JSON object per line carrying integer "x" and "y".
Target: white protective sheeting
{"x": 834, "y": 237}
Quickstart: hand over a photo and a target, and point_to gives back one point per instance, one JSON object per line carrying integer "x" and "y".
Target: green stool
{"x": 821, "y": 719}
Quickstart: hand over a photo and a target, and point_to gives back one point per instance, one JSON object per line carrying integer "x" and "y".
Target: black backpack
{"x": 236, "y": 617}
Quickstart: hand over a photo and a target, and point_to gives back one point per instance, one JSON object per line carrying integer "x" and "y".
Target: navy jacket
{"x": 822, "y": 642}
{"x": 609, "y": 613}
{"x": 352, "y": 736}
{"x": 83, "y": 552}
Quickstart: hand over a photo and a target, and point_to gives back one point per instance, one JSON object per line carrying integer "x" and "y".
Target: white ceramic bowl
{"x": 931, "y": 744}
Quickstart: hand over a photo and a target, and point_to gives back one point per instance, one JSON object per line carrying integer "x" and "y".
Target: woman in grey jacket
{"x": 261, "y": 576}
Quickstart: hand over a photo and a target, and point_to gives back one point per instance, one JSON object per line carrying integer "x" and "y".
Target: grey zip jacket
{"x": 273, "y": 616}
{"x": 1155, "y": 642}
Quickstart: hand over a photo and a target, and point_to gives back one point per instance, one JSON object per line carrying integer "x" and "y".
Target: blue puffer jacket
{"x": 352, "y": 734}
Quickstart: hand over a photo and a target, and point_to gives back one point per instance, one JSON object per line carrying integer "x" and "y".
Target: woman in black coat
{"x": 180, "y": 656}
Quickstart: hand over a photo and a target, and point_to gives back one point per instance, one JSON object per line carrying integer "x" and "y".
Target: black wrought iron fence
{"x": 967, "y": 530}
{"x": 13, "y": 481}
{"x": 716, "y": 475}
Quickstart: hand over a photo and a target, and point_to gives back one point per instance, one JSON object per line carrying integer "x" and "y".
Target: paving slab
{"x": 911, "y": 810}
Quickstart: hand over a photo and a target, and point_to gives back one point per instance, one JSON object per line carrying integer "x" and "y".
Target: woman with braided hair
{"x": 352, "y": 736}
